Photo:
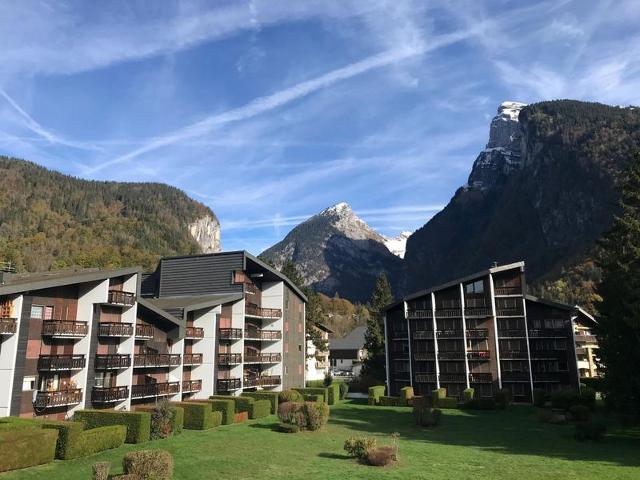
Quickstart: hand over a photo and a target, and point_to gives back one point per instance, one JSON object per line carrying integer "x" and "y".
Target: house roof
{"x": 194, "y": 302}
{"x": 177, "y": 325}
{"x": 353, "y": 341}
{"x": 323, "y": 327}
{"x": 564, "y": 306}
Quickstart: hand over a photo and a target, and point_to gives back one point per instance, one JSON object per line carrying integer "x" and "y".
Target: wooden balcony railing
{"x": 550, "y": 376}
{"x": 229, "y": 358}
{"x": 508, "y": 290}
{"x": 52, "y": 363}
{"x": 253, "y": 311}
{"x": 509, "y": 312}
{"x": 191, "y": 386}
{"x": 230, "y": 333}
{"x": 115, "y": 329}
{"x": 423, "y": 334}
{"x": 450, "y": 334}
{"x": 155, "y": 389}
{"x": 144, "y": 331}
{"x": 480, "y": 378}
{"x": 515, "y": 377}
{"x": 8, "y": 326}
{"x": 192, "y": 359}
{"x": 262, "y": 335}
{"x": 477, "y": 312}
{"x": 547, "y": 353}
{"x": 64, "y": 328}
{"x": 448, "y": 312}
{"x": 58, "y": 398}
{"x": 549, "y": 332}
{"x": 419, "y": 314}
{"x": 194, "y": 333}
{"x": 479, "y": 354}
{"x": 227, "y": 384}
{"x": 421, "y": 356}
{"x": 426, "y": 377}
{"x": 478, "y": 333}
{"x": 265, "y": 381}
{"x": 451, "y": 355}
{"x": 582, "y": 338}
{"x": 112, "y": 362}
{"x": 453, "y": 378}
{"x": 263, "y": 358}
{"x": 250, "y": 288}
{"x": 513, "y": 354}
{"x": 512, "y": 332}
{"x": 109, "y": 394}
{"x": 117, "y": 297}
{"x": 152, "y": 360}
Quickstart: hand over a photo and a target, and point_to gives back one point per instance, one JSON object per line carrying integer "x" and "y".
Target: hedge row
{"x": 226, "y": 407}
{"x": 177, "y": 417}
{"x": 334, "y": 393}
{"x": 375, "y": 393}
{"x": 271, "y": 396}
{"x": 254, "y": 407}
{"x": 28, "y": 447}
{"x": 315, "y": 391}
{"x": 199, "y": 416}
{"x": 99, "y": 439}
{"x": 138, "y": 423}
{"x": 314, "y": 398}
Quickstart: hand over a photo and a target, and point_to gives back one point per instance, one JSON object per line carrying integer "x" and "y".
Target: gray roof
{"x": 194, "y": 302}
{"x": 178, "y": 325}
{"x": 353, "y": 341}
{"x": 565, "y": 306}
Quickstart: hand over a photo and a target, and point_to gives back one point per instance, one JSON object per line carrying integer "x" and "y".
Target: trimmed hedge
{"x": 260, "y": 409}
{"x": 406, "y": 396}
{"x": 99, "y": 439}
{"x": 29, "y": 447}
{"x": 313, "y": 398}
{"x": 344, "y": 390}
{"x": 242, "y": 403}
{"x": 468, "y": 394}
{"x": 315, "y": 391}
{"x": 306, "y": 416}
{"x": 199, "y": 416}
{"x": 503, "y": 398}
{"x": 177, "y": 418}
{"x": 389, "y": 401}
{"x": 439, "y": 393}
{"x": 138, "y": 423}
{"x": 333, "y": 391}
{"x": 375, "y": 393}
{"x": 271, "y": 396}
{"x": 424, "y": 414}
{"x": 226, "y": 407}
{"x": 447, "y": 402}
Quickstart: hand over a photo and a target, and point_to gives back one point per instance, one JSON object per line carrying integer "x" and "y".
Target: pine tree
{"x": 374, "y": 364}
{"x": 618, "y": 327}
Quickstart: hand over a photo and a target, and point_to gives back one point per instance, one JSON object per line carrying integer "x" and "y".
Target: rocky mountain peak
{"x": 342, "y": 217}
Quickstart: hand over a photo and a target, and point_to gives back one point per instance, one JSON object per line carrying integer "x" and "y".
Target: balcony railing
{"x": 450, "y": 334}
{"x": 112, "y": 362}
{"x": 253, "y": 311}
{"x": 117, "y": 297}
{"x": 322, "y": 365}
{"x": 227, "y": 384}
{"x": 155, "y": 389}
{"x": 422, "y": 356}
{"x": 478, "y": 354}
{"x": 513, "y": 354}
{"x": 549, "y": 376}
{"x": 512, "y": 332}
{"x": 58, "y": 398}
{"x": 192, "y": 359}
{"x": 250, "y": 288}
{"x": 450, "y": 355}
{"x": 64, "y": 328}
{"x": 52, "y": 363}
{"x": 508, "y": 290}
{"x": 194, "y": 333}
{"x": 266, "y": 381}
{"x": 109, "y": 394}
{"x": 152, "y": 360}
{"x": 515, "y": 377}
{"x": 144, "y": 331}
{"x": 191, "y": 386}
{"x": 426, "y": 377}
{"x": 115, "y": 329}
{"x": 230, "y": 333}
{"x": 509, "y": 312}
{"x": 548, "y": 332}
{"x": 423, "y": 334}
{"x": 448, "y": 312}
{"x": 8, "y": 326}
{"x": 581, "y": 338}
{"x": 477, "y": 312}
{"x": 453, "y": 378}
{"x": 478, "y": 333}
{"x": 263, "y": 358}
{"x": 547, "y": 353}
{"x": 229, "y": 358}
{"x": 263, "y": 335}
{"x": 419, "y": 314}
{"x": 480, "y": 378}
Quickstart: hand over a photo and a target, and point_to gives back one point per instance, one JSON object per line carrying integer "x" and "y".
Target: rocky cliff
{"x": 206, "y": 231}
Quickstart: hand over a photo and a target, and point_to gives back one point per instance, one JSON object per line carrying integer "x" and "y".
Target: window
{"x": 48, "y": 313}
{"x": 299, "y": 327}
{"x": 299, "y": 347}
{"x": 102, "y": 379}
{"x": 475, "y": 287}
{"x": 37, "y": 311}
{"x": 28, "y": 383}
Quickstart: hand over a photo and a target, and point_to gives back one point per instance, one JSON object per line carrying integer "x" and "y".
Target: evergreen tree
{"x": 618, "y": 327}
{"x": 374, "y": 364}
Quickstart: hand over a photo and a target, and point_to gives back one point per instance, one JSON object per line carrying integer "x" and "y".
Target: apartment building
{"x": 318, "y": 361}
{"x": 483, "y": 331}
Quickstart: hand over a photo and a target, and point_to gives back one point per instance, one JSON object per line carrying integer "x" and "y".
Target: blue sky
{"x": 270, "y": 111}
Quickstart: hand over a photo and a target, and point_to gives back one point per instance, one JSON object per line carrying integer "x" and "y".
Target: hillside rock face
{"x": 337, "y": 252}
{"x": 206, "y": 231}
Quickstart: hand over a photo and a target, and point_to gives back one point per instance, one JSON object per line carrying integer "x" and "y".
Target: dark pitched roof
{"x": 564, "y": 306}
{"x": 178, "y": 325}
{"x": 353, "y": 341}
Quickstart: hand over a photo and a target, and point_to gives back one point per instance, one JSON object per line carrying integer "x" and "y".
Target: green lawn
{"x": 488, "y": 445}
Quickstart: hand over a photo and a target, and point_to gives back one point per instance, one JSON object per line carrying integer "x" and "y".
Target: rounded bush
{"x": 381, "y": 456}
{"x": 579, "y": 413}
{"x": 149, "y": 464}
{"x": 290, "y": 396}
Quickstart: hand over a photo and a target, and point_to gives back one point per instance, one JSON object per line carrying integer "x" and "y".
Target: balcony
{"x": 504, "y": 291}
{"x": 509, "y": 311}
{"x": 119, "y": 298}
{"x": 478, "y": 354}
{"x": 253, "y": 311}
{"x": 480, "y": 378}
{"x": 58, "y": 398}
{"x": 450, "y": 334}
{"x": 156, "y": 360}
{"x": 263, "y": 358}
{"x": 513, "y": 354}
{"x": 477, "y": 312}
{"x": 262, "y": 335}
{"x": 448, "y": 313}
{"x": 422, "y": 356}
{"x": 583, "y": 338}
{"x": 250, "y": 288}
{"x": 451, "y": 355}
{"x": 547, "y": 353}
{"x": 478, "y": 333}
{"x": 191, "y": 386}
{"x": 230, "y": 333}
{"x": 228, "y": 384}
{"x": 229, "y": 358}
{"x": 115, "y": 329}
{"x": 265, "y": 381}
{"x": 322, "y": 365}
{"x": 144, "y": 332}
{"x": 155, "y": 390}
{"x": 453, "y": 378}
{"x": 550, "y": 376}
{"x": 194, "y": 333}
{"x": 548, "y": 333}
{"x": 109, "y": 394}
{"x": 417, "y": 314}
{"x": 512, "y": 332}
{"x": 64, "y": 328}
{"x": 515, "y": 377}
{"x": 423, "y": 335}
{"x": 55, "y": 363}
{"x": 112, "y": 362}
{"x": 8, "y": 326}
{"x": 192, "y": 359}
{"x": 425, "y": 377}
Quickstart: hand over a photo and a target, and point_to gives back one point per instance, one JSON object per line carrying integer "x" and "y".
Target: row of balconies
{"x": 471, "y": 333}
{"x": 469, "y": 312}
{"x": 453, "y": 355}
{"x": 117, "y": 361}
{"x": 258, "y": 312}
{"x": 454, "y": 377}
{"x": 249, "y": 334}
{"x": 72, "y": 328}
{"x": 229, "y": 384}
{"x": 237, "y": 358}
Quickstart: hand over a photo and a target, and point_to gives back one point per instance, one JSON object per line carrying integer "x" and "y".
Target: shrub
{"x": 224, "y": 405}
{"x": 149, "y": 464}
{"x": 358, "y": 447}
{"x": 100, "y": 470}
{"x": 328, "y": 379}
{"x": 271, "y": 396}
{"x": 439, "y": 393}
{"x": 546, "y": 415}
{"x": 199, "y": 416}
{"x": 97, "y": 440}
{"x": 290, "y": 396}
{"x": 564, "y": 399}
{"x": 288, "y": 428}
{"x": 406, "y": 396}
{"x": 375, "y": 393}
{"x": 286, "y": 410}
{"x": 539, "y": 397}
{"x": 468, "y": 394}
{"x": 306, "y": 416}
{"x": 591, "y": 430}
{"x": 313, "y": 398}
{"x": 260, "y": 409}
{"x": 424, "y": 414}
{"x": 480, "y": 404}
{"x": 138, "y": 423}
{"x": 317, "y": 415}
{"x": 333, "y": 392}
{"x": 446, "y": 402}
{"x": 381, "y": 456}
{"x": 314, "y": 383}
{"x": 244, "y": 404}
{"x": 69, "y": 434}
{"x": 579, "y": 413}
{"x": 502, "y": 398}
{"x": 29, "y": 447}
{"x": 315, "y": 391}
{"x": 166, "y": 419}
{"x": 344, "y": 390}
{"x": 587, "y": 397}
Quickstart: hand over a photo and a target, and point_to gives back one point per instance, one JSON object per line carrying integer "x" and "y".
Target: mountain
{"x": 397, "y": 245}
{"x": 337, "y": 252}
{"x": 543, "y": 190}
{"x": 51, "y": 221}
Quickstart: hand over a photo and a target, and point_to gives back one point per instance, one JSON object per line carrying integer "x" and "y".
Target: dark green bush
{"x": 439, "y": 393}
{"x": 314, "y": 383}
{"x": 313, "y": 398}
{"x": 344, "y": 390}
{"x": 315, "y": 391}
{"x": 446, "y": 402}
{"x": 290, "y": 396}
{"x": 138, "y": 423}
{"x": 333, "y": 392}
{"x": 97, "y": 440}
{"x": 546, "y": 415}
{"x": 423, "y": 413}
{"x": 359, "y": 446}
{"x": 224, "y": 405}
{"x": 29, "y": 447}
{"x": 388, "y": 401}
{"x": 149, "y": 464}
{"x": 199, "y": 416}
{"x": 317, "y": 415}
{"x": 468, "y": 394}
{"x": 406, "y": 396}
{"x": 503, "y": 398}
{"x": 328, "y": 379}
{"x": 375, "y": 393}
{"x": 587, "y": 397}
{"x": 260, "y": 409}
{"x": 306, "y": 416}
{"x": 590, "y": 430}
{"x": 563, "y": 399}
{"x": 539, "y": 397}
{"x": 100, "y": 470}
{"x": 579, "y": 413}
{"x": 271, "y": 396}
{"x": 481, "y": 403}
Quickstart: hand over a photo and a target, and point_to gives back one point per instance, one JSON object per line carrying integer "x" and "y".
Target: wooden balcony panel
{"x": 512, "y": 332}
{"x": 423, "y": 334}
{"x": 515, "y": 377}
{"x": 144, "y": 331}
{"x": 53, "y": 363}
{"x": 424, "y": 356}
{"x": 450, "y": 334}
{"x": 156, "y": 360}
{"x": 262, "y": 335}
{"x": 501, "y": 291}
{"x": 112, "y": 362}
{"x": 264, "y": 381}
{"x": 480, "y": 378}
{"x": 509, "y": 312}
{"x": 155, "y": 390}
{"x": 425, "y": 377}
{"x": 453, "y": 378}
{"x": 478, "y": 333}
{"x": 192, "y": 359}
{"x": 109, "y": 394}
{"x": 230, "y": 333}
{"x": 115, "y": 329}
{"x": 549, "y": 333}
{"x": 229, "y": 358}
{"x": 64, "y": 328}
{"x": 477, "y": 312}
{"x": 479, "y": 354}
{"x": 263, "y": 358}
{"x": 454, "y": 355}
{"x": 253, "y": 311}
{"x": 194, "y": 333}
{"x": 8, "y": 326}
{"x": 420, "y": 314}
{"x": 57, "y": 398}
{"x": 120, "y": 298}
{"x": 191, "y": 386}
{"x": 513, "y": 354}
{"x": 449, "y": 313}
{"x": 228, "y": 384}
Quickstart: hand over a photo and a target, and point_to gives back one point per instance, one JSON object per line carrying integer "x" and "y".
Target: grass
{"x": 467, "y": 445}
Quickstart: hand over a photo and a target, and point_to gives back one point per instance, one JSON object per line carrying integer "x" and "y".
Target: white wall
{"x": 273, "y": 297}
{"x": 8, "y": 351}
{"x": 206, "y": 319}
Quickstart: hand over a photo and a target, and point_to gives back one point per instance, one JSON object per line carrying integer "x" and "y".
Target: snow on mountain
{"x": 397, "y": 245}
